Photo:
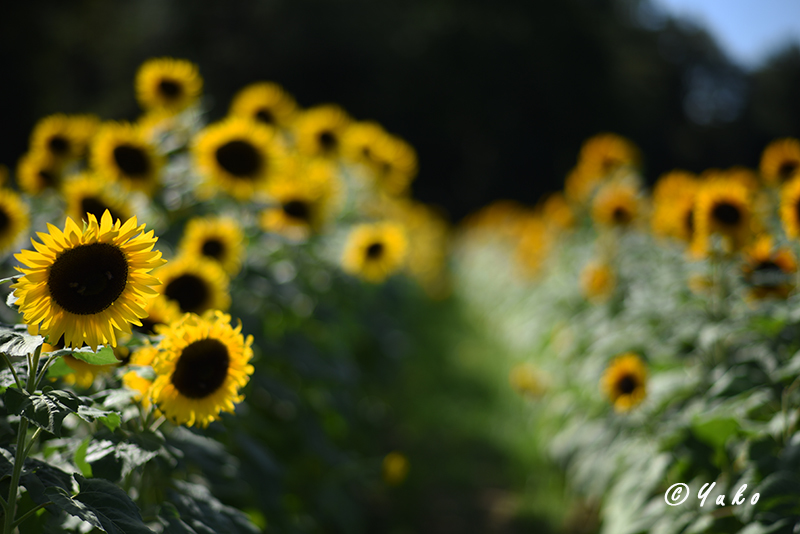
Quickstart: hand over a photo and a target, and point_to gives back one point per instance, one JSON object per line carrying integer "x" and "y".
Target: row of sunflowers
{"x": 254, "y": 265}
{"x": 654, "y": 336}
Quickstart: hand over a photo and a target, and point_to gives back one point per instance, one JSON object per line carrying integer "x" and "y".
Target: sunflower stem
{"x": 29, "y": 513}
{"x": 13, "y": 371}
{"x": 50, "y": 359}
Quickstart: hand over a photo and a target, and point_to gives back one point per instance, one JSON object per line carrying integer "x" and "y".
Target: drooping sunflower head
{"x": 14, "y": 219}
{"x": 201, "y": 366}
{"x": 90, "y": 284}
{"x": 168, "y": 84}
{"x": 624, "y": 381}
{"x": 195, "y": 284}
{"x": 218, "y": 239}
{"x": 598, "y": 281}
{"x": 64, "y": 137}
{"x": 769, "y": 272}
{"x": 790, "y": 208}
{"x": 318, "y": 131}
{"x": 722, "y": 209}
{"x": 375, "y": 251}
{"x": 121, "y": 151}
{"x": 38, "y": 171}
{"x": 88, "y": 194}
{"x": 780, "y": 161}
{"x": 264, "y": 102}
{"x": 238, "y": 155}
{"x": 673, "y": 205}
{"x": 616, "y": 205}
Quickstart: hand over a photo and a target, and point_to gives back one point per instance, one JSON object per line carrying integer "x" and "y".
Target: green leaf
{"x": 10, "y": 279}
{"x": 103, "y": 505}
{"x": 16, "y": 341}
{"x": 715, "y": 432}
{"x": 109, "y": 418}
{"x": 59, "y": 368}
{"x": 46, "y": 410}
{"x": 199, "y": 509}
{"x": 104, "y": 356}
{"x": 80, "y": 457}
{"x": 113, "y": 461}
{"x": 37, "y": 476}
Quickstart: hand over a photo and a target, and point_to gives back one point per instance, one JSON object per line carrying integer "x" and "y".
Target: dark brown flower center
{"x": 58, "y": 145}
{"x": 627, "y": 384}
{"x": 787, "y": 169}
{"x": 688, "y": 221}
{"x": 87, "y": 279}
{"x": 189, "y": 291}
{"x": 170, "y": 89}
{"x": 213, "y": 248}
{"x": 48, "y": 178}
{"x": 375, "y": 251}
{"x": 131, "y": 160}
{"x": 239, "y": 158}
{"x": 726, "y": 213}
{"x": 327, "y": 140}
{"x": 265, "y": 115}
{"x": 297, "y": 209}
{"x": 621, "y": 215}
{"x": 5, "y": 221}
{"x": 201, "y": 368}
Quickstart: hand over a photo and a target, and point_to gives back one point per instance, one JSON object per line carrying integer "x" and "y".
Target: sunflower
{"x": 624, "y": 381}
{"x": 360, "y": 141}
{"x": 121, "y": 151}
{"x": 616, "y": 205}
{"x": 501, "y": 217}
{"x": 88, "y": 285}
{"x": 265, "y": 102}
{"x": 87, "y": 194}
{"x": 202, "y": 365}
{"x": 790, "y": 208}
{"x": 196, "y": 284}
{"x": 38, "y": 171}
{"x": 533, "y": 243}
{"x": 605, "y": 153}
{"x": 144, "y": 357}
{"x": 160, "y": 311}
{"x": 375, "y": 251}
{"x": 395, "y": 164}
{"x": 238, "y": 155}
{"x": 673, "y": 205}
{"x": 219, "y": 239}
{"x": 303, "y": 200}
{"x": 318, "y": 131}
{"x": 598, "y": 281}
{"x": 769, "y": 272}
{"x": 168, "y": 84}
{"x": 64, "y": 137}
{"x": 780, "y": 161}
{"x": 14, "y": 218}
{"x": 722, "y": 209}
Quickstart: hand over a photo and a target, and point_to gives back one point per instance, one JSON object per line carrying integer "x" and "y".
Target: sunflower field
{"x": 251, "y": 326}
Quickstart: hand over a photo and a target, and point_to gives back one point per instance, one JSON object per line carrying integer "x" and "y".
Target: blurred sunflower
{"x": 84, "y": 374}
{"x": 88, "y": 194}
{"x": 143, "y": 357}
{"x": 87, "y": 284}
{"x": 723, "y": 209}
{"x": 375, "y": 251}
{"x": 160, "y": 311}
{"x": 767, "y": 271}
{"x": 790, "y": 208}
{"x": 14, "y": 219}
{"x": 265, "y": 102}
{"x": 557, "y": 213}
{"x": 195, "y": 284}
{"x": 318, "y": 131}
{"x": 202, "y": 365}
{"x": 121, "y": 151}
{"x": 527, "y": 380}
{"x": 219, "y": 239}
{"x": 360, "y": 141}
{"x": 238, "y": 155}
{"x": 780, "y": 161}
{"x": 598, "y": 281}
{"x": 64, "y": 137}
{"x": 395, "y": 163}
{"x": 616, "y": 205}
{"x": 605, "y": 153}
{"x": 673, "y": 205}
{"x": 533, "y": 244}
{"x": 624, "y": 381}
{"x": 168, "y": 84}
{"x": 38, "y": 171}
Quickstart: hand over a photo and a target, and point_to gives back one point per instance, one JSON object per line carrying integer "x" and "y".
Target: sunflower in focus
{"x": 616, "y": 205}
{"x": 598, "y": 281}
{"x": 219, "y": 239}
{"x": 168, "y": 84}
{"x": 238, "y": 155}
{"x": 202, "y": 365}
{"x": 375, "y": 251}
{"x": 38, "y": 171}
{"x": 160, "y": 312}
{"x": 624, "y": 382}
{"x": 86, "y": 194}
{"x": 14, "y": 218}
{"x": 769, "y": 272}
{"x": 673, "y": 205}
{"x": 64, "y": 137}
{"x": 87, "y": 285}
{"x": 265, "y": 102}
{"x": 143, "y": 357}
{"x": 195, "y": 284}
{"x": 303, "y": 201}
{"x": 318, "y": 131}
{"x": 722, "y": 209}
{"x": 780, "y": 161}
{"x": 790, "y": 208}
{"x": 121, "y": 151}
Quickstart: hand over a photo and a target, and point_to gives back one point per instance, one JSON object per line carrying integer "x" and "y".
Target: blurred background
{"x": 495, "y": 96}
